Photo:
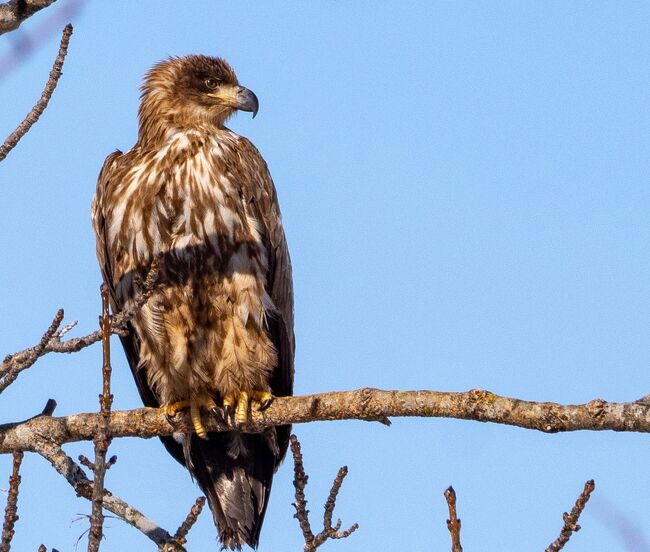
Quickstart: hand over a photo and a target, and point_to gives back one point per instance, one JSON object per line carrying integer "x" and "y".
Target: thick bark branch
{"x": 363, "y": 404}
{"x": 13, "y": 13}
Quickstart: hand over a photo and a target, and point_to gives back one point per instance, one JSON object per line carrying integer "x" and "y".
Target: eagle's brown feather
{"x": 221, "y": 319}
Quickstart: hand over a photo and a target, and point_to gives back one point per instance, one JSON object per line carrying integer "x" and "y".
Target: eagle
{"x": 215, "y": 337}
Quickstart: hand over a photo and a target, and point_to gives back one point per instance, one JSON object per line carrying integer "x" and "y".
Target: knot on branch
{"x": 596, "y": 408}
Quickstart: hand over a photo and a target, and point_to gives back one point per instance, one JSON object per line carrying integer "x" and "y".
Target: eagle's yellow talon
{"x": 241, "y": 415}
{"x": 263, "y": 397}
{"x": 228, "y": 404}
{"x": 211, "y": 407}
{"x": 195, "y": 414}
{"x": 174, "y": 408}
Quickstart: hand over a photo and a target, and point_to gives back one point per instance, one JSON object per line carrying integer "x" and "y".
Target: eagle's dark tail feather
{"x": 235, "y": 471}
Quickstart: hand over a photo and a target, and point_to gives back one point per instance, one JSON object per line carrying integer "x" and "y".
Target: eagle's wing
{"x": 110, "y": 172}
{"x": 238, "y": 484}
{"x": 259, "y": 190}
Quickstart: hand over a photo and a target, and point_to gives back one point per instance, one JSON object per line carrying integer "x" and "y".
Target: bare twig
{"x": 9, "y": 371}
{"x": 11, "y": 510}
{"x": 40, "y": 106}
{"x": 363, "y": 404}
{"x": 17, "y": 362}
{"x": 103, "y": 437}
{"x": 181, "y": 533}
{"x": 73, "y": 473}
{"x": 300, "y": 480}
{"x": 312, "y": 542}
{"x": 571, "y": 520}
{"x": 453, "y": 523}
{"x": 13, "y": 13}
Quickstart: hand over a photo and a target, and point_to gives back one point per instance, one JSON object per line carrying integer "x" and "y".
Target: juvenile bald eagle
{"x": 216, "y": 337}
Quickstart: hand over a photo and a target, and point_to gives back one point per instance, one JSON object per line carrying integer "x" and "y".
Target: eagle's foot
{"x": 241, "y": 413}
{"x": 264, "y": 398}
{"x": 241, "y": 405}
{"x": 228, "y": 404}
{"x": 171, "y": 410}
{"x": 195, "y": 407}
{"x": 195, "y": 416}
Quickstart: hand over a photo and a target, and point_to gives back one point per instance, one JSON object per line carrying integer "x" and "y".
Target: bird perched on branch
{"x": 216, "y": 336}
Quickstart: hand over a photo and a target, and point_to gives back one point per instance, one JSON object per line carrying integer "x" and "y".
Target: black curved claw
{"x": 217, "y": 413}
{"x": 171, "y": 420}
{"x": 227, "y": 411}
{"x": 264, "y": 405}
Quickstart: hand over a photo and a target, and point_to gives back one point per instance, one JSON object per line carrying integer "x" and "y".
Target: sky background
{"x": 464, "y": 188}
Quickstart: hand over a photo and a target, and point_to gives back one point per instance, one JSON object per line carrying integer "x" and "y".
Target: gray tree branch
{"x": 363, "y": 404}
{"x": 84, "y": 487}
{"x": 13, "y": 13}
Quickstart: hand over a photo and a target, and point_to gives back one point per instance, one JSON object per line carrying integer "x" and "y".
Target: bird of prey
{"x": 216, "y": 336}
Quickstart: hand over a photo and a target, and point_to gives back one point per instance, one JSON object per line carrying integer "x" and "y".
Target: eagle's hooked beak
{"x": 237, "y": 97}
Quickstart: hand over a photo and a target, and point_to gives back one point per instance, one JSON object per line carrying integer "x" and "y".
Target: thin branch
{"x": 453, "y": 523}
{"x": 17, "y": 362}
{"x": 181, "y": 533}
{"x": 9, "y": 371}
{"x": 11, "y": 510}
{"x": 312, "y": 542}
{"x": 571, "y": 520}
{"x": 73, "y": 473}
{"x": 13, "y": 13}
{"x": 363, "y": 404}
{"x": 37, "y": 110}
{"x": 103, "y": 437}
{"x": 300, "y": 480}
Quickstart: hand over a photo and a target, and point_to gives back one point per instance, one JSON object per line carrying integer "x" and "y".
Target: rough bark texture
{"x": 13, "y": 13}
{"x": 363, "y": 404}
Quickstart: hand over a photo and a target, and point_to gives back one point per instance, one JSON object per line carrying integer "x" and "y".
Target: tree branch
{"x": 13, "y": 13}
{"x": 571, "y": 520}
{"x": 11, "y": 510}
{"x": 51, "y": 342}
{"x": 453, "y": 523}
{"x": 180, "y": 537}
{"x": 312, "y": 542}
{"x": 37, "y": 110}
{"x": 363, "y": 404}
{"x": 9, "y": 370}
{"x": 103, "y": 437}
{"x": 73, "y": 473}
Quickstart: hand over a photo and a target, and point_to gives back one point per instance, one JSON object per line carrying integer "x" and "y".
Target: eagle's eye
{"x": 211, "y": 84}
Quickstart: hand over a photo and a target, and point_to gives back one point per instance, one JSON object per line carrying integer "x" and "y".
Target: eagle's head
{"x": 191, "y": 92}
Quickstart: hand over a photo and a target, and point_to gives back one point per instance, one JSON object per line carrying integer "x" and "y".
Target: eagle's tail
{"x": 235, "y": 471}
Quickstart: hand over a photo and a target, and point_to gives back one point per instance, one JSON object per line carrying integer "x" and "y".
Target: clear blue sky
{"x": 465, "y": 193}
